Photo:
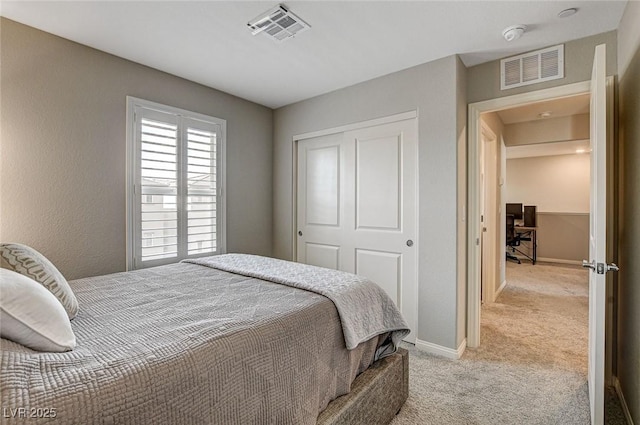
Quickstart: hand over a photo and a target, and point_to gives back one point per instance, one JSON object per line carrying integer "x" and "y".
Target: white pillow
{"x": 32, "y": 316}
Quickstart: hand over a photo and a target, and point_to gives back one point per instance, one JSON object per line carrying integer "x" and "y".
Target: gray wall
{"x": 563, "y": 236}
{"x": 628, "y": 347}
{"x": 433, "y": 90}
{"x": 558, "y": 185}
{"x": 63, "y": 150}
{"x": 554, "y": 183}
{"x": 484, "y": 80}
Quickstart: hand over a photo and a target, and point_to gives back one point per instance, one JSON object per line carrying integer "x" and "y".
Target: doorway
{"x": 542, "y": 177}
{"x": 476, "y": 292}
{"x": 476, "y": 189}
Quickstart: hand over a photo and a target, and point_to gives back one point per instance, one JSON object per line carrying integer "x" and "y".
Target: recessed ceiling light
{"x": 545, "y": 114}
{"x": 514, "y": 32}
{"x": 567, "y": 12}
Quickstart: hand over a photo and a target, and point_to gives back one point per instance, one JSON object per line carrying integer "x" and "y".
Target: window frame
{"x": 134, "y": 197}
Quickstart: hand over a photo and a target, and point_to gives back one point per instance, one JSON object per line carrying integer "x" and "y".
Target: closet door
{"x": 320, "y": 216}
{"x": 380, "y": 207}
{"x": 357, "y": 207}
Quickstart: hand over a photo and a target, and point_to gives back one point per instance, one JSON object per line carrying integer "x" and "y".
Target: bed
{"x": 232, "y": 339}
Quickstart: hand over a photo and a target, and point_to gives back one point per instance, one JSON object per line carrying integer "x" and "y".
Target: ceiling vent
{"x": 533, "y": 67}
{"x": 278, "y": 23}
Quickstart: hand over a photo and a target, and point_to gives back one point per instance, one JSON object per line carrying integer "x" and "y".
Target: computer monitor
{"x": 515, "y": 210}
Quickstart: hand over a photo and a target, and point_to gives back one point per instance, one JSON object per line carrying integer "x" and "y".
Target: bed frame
{"x": 376, "y": 396}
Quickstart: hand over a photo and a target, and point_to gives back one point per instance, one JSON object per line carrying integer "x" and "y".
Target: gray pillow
{"x": 29, "y": 262}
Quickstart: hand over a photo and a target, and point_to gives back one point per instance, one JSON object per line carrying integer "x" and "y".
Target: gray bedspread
{"x": 365, "y": 309}
{"x": 186, "y": 344}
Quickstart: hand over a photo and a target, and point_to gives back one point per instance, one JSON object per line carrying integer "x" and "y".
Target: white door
{"x": 320, "y": 201}
{"x": 597, "y": 237}
{"x": 357, "y": 207}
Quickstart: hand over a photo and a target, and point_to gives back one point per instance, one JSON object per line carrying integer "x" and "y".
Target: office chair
{"x": 513, "y": 239}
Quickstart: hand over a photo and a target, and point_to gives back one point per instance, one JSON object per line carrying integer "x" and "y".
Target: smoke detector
{"x": 514, "y": 32}
{"x": 567, "y": 12}
{"x": 278, "y": 23}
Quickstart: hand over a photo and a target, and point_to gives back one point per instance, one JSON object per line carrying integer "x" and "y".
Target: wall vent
{"x": 278, "y": 23}
{"x": 533, "y": 67}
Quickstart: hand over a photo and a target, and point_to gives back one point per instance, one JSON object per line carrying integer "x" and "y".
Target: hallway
{"x": 531, "y": 367}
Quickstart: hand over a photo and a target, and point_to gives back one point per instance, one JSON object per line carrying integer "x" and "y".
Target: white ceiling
{"x": 349, "y": 41}
{"x": 563, "y": 107}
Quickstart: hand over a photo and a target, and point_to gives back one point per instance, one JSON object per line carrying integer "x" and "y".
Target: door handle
{"x": 589, "y": 265}
{"x": 601, "y": 268}
{"x": 612, "y": 267}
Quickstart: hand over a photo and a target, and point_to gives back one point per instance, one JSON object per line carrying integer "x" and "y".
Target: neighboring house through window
{"x": 175, "y": 178}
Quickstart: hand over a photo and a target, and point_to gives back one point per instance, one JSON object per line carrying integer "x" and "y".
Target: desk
{"x": 528, "y": 234}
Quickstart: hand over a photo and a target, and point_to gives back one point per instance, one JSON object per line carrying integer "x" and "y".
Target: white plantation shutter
{"x": 158, "y": 165}
{"x": 174, "y": 184}
{"x": 201, "y": 188}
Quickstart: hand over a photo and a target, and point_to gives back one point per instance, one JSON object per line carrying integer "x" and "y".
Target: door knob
{"x": 409, "y": 242}
{"x": 589, "y": 265}
{"x": 601, "y": 268}
{"x": 299, "y": 232}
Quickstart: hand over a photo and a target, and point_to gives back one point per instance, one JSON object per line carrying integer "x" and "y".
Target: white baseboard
{"x": 560, "y": 261}
{"x": 623, "y": 402}
{"x": 440, "y": 350}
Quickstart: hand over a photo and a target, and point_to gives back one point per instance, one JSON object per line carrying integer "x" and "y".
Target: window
{"x": 175, "y": 179}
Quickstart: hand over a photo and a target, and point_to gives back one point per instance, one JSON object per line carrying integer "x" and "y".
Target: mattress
{"x": 186, "y": 344}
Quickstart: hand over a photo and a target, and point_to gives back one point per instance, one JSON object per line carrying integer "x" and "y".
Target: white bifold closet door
{"x": 356, "y": 207}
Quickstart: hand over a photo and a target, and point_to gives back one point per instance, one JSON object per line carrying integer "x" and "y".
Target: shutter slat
{"x": 160, "y": 148}
{"x": 162, "y": 245}
{"x": 202, "y": 233}
{"x": 193, "y": 149}
{"x": 150, "y": 257}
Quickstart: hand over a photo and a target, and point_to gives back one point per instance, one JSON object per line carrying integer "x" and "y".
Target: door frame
{"x": 473, "y": 204}
{"x": 473, "y": 200}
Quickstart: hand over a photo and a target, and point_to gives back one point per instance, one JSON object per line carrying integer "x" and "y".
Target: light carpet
{"x": 531, "y": 366}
